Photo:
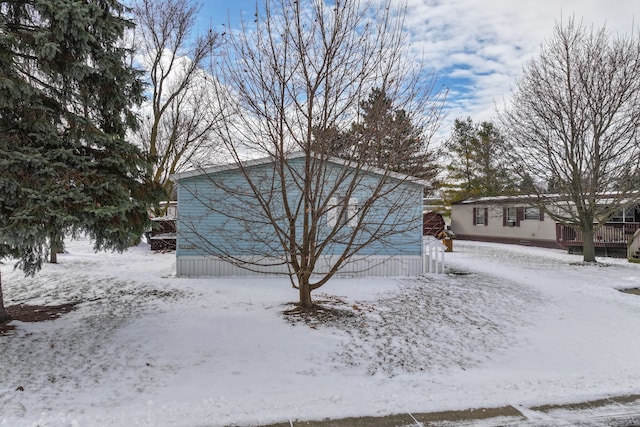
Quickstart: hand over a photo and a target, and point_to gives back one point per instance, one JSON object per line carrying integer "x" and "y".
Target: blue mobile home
{"x": 225, "y": 229}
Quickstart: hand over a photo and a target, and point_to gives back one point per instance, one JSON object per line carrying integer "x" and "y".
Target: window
{"x": 480, "y": 216}
{"x": 343, "y": 212}
{"x": 630, "y": 214}
{"x": 618, "y": 217}
{"x": 627, "y": 215}
{"x": 532, "y": 213}
{"x": 510, "y": 217}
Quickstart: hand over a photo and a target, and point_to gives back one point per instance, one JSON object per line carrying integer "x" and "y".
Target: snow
{"x": 507, "y": 325}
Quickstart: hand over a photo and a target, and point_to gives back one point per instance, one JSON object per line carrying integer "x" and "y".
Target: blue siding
{"x": 219, "y": 214}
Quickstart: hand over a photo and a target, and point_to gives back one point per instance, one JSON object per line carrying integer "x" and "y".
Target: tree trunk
{"x": 305, "y": 293}
{"x": 588, "y": 248}
{"x": 53, "y": 255}
{"x": 55, "y": 248}
{"x": 4, "y": 316}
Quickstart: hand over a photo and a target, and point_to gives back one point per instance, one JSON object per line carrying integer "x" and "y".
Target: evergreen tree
{"x": 386, "y": 137}
{"x": 65, "y": 107}
{"x": 494, "y": 178}
{"x": 461, "y": 168}
{"x": 527, "y": 185}
{"x": 477, "y": 165}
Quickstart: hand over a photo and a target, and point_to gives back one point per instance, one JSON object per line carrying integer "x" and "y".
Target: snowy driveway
{"x": 508, "y": 325}
{"x": 583, "y": 335}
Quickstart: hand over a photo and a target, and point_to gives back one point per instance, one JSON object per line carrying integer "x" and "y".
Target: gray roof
{"x": 293, "y": 155}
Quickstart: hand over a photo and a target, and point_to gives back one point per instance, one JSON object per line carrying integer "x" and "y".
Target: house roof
{"x": 525, "y": 198}
{"x": 293, "y": 155}
{"x": 541, "y": 198}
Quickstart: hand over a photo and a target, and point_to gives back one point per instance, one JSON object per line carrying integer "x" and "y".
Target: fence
{"x": 433, "y": 255}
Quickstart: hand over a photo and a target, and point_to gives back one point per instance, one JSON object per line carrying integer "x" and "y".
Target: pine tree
{"x": 477, "y": 165}
{"x": 388, "y": 139}
{"x": 494, "y": 178}
{"x": 66, "y": 94}
{"x": 462, "y": 168}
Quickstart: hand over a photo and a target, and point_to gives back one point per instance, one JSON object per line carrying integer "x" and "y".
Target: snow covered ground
{"x": 507, "y": 325}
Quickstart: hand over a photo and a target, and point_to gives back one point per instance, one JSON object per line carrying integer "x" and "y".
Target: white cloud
{"x": 487, "y": 43}
{"x": 484, "y": 43}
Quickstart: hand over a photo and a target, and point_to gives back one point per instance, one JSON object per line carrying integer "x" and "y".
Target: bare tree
{"x": 177, "y": 122}
{"x": 297, "y": 79}
{"x": 573, "y": 121}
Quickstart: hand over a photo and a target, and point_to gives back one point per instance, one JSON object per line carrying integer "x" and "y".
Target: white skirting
{"x": 364, "y": 266}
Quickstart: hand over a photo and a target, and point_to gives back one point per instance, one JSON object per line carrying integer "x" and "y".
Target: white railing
{"x": 634, "y": 244}
{"x": 432, "y": 255}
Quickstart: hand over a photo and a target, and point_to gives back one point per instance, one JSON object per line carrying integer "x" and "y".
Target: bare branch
{"x": 574, "y": 123}
{"x": 296, "y": 80}
{"x": 177, "y": 123}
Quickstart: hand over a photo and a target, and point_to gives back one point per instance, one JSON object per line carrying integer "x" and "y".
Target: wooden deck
{"x": 162, "y": 236}
{"x": 609, "y": 240}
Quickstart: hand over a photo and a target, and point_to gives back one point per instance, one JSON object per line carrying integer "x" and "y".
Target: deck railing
{"x": 610, "y": 234}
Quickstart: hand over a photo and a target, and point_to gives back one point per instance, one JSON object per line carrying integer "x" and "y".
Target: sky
{"x": 477, "y": 48}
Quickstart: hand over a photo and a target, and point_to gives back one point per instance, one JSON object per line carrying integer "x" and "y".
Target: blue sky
{"x": 477, "y": 48}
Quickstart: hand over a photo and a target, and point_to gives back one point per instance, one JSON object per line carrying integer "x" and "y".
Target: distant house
{"x": 220, "y": 224}
{"x": 518, "y": 220}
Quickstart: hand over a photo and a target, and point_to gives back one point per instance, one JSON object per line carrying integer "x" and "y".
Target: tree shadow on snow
{"x": 34, "y": 313}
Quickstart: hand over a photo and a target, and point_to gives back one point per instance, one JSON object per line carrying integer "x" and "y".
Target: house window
{"x": 618, "y": 217}
{"x": 627, "y": 215}
{"x": 510, "y": 217}
{"x": 630, "y": 214}
{"x": 480, "y": 216}
{"x": 343, "y": 211}
{"x": 532, "y": 213}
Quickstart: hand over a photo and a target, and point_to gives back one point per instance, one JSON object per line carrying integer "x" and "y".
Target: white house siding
{"x": 360, "y": 266}
{"x": 529, "y": 232}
